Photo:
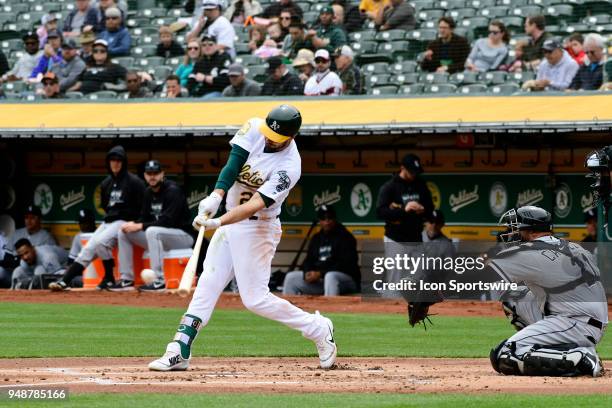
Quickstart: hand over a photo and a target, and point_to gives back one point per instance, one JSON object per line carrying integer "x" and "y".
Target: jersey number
{"x": 244, "y": 197}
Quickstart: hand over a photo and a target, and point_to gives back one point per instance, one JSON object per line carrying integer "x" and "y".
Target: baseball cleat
{"x": 326, "y": 345}
{"x": 105, "y": 284}
{"x": 122, "y": 286}
{"x": 59, "y": 286}
{"x": 153, "y": 287}
{"x": 171, "y": 360}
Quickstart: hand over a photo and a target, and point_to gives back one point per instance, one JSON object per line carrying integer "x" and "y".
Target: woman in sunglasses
{"x": 100, "y": 73}
{"x": 192, "y": 55}
{"x": 489, "y": 53}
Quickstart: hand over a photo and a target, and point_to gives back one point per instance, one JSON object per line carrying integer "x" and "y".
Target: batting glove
{"x": 211, "y": 223}
{"x": 210, "y": 205}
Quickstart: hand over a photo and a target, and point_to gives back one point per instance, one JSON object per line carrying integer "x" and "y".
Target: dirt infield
{"x": 287, "y": 375}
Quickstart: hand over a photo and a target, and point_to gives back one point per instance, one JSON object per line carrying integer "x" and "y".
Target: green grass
{"x": 327, "y": 400}
{"x": 46, "y": 330}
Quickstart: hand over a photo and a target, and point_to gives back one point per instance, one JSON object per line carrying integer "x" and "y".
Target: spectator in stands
{"x": 27, "y": 62}
{"x": 590, "y": 75}
{"x": 489, "y": 53}
{"x": 214, "y": 24}
{"x": 324, "y": 82}
{"x": 534, "y": 28}
{"x": 101, "y": 8}
{"x": 33, "y": 230}
{"x": 448, "y": 52}
{"x": 134, "y": 86}
{"x": 275, "y": 32}
{"x": 304, "y": 64}
{"x": 173, "y": 87}
{"x": 269, "y": 48}
{"x": 353, "y": 81}
{"x": 4, "y": 65}
{"x": 557, "y": 70}
{"x": 118, "y": 37}
{"x": 280, "y": 81}
{"x": 87, "y": 40}
{"x": 164, "y": 224}
{"x": 194, "y": 51}
{"x": 48, "y": 23}
{"x": 100, "y": 73}
{"x": 516, "y": 64}
{"x": 296, "y": 40}
{"x": 575, "y": 48}
{"x": 257, "y": 36}
{"x": 35, "y": 262}
{"x": 371, "y": 8}
{"x": 51, "y": 86}
{"x": 352, "y": 18}
{"x": 87, "y": 224}
{"x": 70, "y": 67}
{"x": 121, "y": 197}
{"x": 338, "y": 15}
{"x": 284, "y": 20}
{"x": 274, "y": 9}
{"x": 239, "y": 84}
{"x": 397, "y": 15}
{"x": 327, "y": 35}
{"x": 82, "y": 19}
{"x": 209, "y": 76}
{"x": 52, "y": 55}
{"x": 168, "y": 46}
{"x": 330, "y": 267}
{"x": 240, "y": 10}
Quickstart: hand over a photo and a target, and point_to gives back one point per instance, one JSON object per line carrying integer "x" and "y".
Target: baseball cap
{"x": 70, "y": 43}
{"x": 590, "y": 214}
{"x": 153, "y": 166}
{"x": 112, "y": 12}
{"x": 235, "y": 69}
{"x": 273, "y": 63}
{"x": 411, "y": 162}
{"x": 30, "y": 35}
{"x": 86, "y": 215}
{"x": 86, "y": 38}
{"x": 49, "y": 77}
{"x": 210, "y": 4}
{"x": 322, "y": 53}
{"x": 33, "y": 210}
{"x": 345, "y": 51}
{"x": 551, "y": 45}
{"x": 54, "y": 34}
{"x": 327, "y": 9}
{"x": 304, "y": 57}
{"x": 101, "y": 42}
{"x": 208, "y": 37}
{"x": 47, "y": 18}
{"x": 326, "y": 212}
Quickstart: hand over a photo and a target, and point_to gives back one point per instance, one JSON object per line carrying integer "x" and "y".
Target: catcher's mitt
{"x": 418, "y": 313}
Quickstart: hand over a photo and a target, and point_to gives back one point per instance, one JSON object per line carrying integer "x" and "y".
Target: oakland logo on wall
{"x": 563, "y": 200}
{"x": 361, "y": 199}
{"x": 43, "y": 198}
{"x": 498, "y": 198}
{"x": 436, "y": 197}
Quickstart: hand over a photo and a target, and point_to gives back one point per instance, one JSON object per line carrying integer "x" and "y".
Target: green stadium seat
{"x": 521, "y": 77}
{"x": 160, "y": 21}
{"x": 242, "y": 48}
{"x": 513, "y": 24}
{"x": 494, "y": 12}
{"x": 475, "y": 22}
{"x": 463, "y": 78}
{"x": 472, "y": 89}
{"x": 493, "y": 77}
{"x": 125, "y": 62}
{"x": 149, "y": 62}
{"x": 256, "y": 71}
{"x": 591, "y": 7}
{"x": 358, "y": 36}
{"x": 478, "y": 4}
{"x": 526, "y": 11}
{"x": 399, "y": 50}
{"x": 177, "y": 13}
{"x": 440, "y": 89}
{"x": 541, "y": 3}
{"x": 249, "y": 59}
{"x": 144, "y": 51}
{"x": 426, "y": 35}
{"x": 15, "y": 8}
{"x": 376, "y": 68}
{"x": 378, "y": 80}
{"x": 138, "y": 22}
{"x": 603, "y": 29}
{"x": 16, "y": 86}
{"x": 390, "y": 35}
{"x": 430, "y": 14}
{"x": 365, "y": 47}
{"x": 304, "y": 5}
{"x": 148, "y": 39}
{"x": 242, "y": 36}
{"x": 151, "y": 13}
{"x": 11, "y": 45}
{"x": 450, "y": 4}
{"x": 102, "y": 95}
{"x": 161, "y": 72}
{"x": 504, "y": 89}
{"x": 173, "y": 62}
{"x": 410, "y": 89}
{"x": 598, "y": 19}
{"x": 423, "y": 4}
{"x": 577, "y": 28}
{"x": 460, "y": 14}
{"x": 32, "y": 17}
{"x": 404, "y": 67}
{"x": 7, "y": 17}
{"x": 514, "y": 3}
{"x": 434, "y": 78}
{"x": 383, "y": 90}
{"x": 608, "y": 69}
{"x": 12, "y": 96}
{"x": 145, "y": 4}
{"x": 145, "y": 31}
{"x": 311, "y": 17}
{"x": 405, "y": 79}
{"x": 68, "y": 6}
{"x": 74, "y": 95}
{"x": 558, "y": 13}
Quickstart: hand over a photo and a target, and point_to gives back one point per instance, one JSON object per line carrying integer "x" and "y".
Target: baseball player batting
{"x": 263, "y": 166}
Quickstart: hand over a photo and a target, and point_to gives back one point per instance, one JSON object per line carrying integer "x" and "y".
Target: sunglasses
{"x": 99, "y": 51}
{"x": 193, "y": 48}
{"x": 320, "y": 61}
{"x": 494, "y": 32}
{"x": 285, "y": 18}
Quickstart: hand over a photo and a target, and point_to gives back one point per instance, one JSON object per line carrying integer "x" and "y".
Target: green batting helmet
{"x": 282, "y": 123}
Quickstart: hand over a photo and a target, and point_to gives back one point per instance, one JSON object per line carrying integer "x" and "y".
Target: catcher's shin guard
{"x": 557, "y": 363}
{"x": 504, "y": 361}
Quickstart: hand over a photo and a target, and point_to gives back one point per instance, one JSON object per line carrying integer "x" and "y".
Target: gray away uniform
{"x": 47, "y": 262}
{"x": 561, "y": 312}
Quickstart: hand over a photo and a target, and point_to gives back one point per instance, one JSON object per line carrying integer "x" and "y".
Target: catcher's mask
{"x": 598, "y": 163}
{"x": 527, "y": 218}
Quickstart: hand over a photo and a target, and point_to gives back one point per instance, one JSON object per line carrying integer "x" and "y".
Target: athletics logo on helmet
{"x": 282, "y": 123}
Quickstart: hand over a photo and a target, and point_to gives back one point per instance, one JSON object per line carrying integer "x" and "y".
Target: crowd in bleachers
{"x": 106, "y": 49}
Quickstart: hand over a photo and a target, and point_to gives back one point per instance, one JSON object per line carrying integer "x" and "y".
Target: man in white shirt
{"x": 213, "y": 23}
{"x": 26, "y": 63}
{"x": 324, "y": 81}
{"x": 556, "y": 71}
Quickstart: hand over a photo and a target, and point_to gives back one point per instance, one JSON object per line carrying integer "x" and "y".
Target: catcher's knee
{"x": 515, "y": 319}
{"x": 504, "y": 360}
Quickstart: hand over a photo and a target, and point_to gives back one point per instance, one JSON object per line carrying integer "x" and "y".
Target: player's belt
{"x": 595, "y": 323}
{"x": 255, "y": 218}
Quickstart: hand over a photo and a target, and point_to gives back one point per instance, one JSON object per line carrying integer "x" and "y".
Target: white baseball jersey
{"x": 271, "y": 174}
{"x": 328, "y": 83}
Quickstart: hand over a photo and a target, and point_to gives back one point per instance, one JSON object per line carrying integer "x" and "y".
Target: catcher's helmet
{"x": 282, "y": 122}
{"x": 527, "y": 218}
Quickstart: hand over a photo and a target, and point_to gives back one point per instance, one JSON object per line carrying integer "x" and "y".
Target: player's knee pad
{"x": 504, "y": 360}
{"x": 561, "y": 363}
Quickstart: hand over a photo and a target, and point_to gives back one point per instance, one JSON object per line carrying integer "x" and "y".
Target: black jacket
{"x": 121, "y": 196}
{"x": 174, "y": 50}
{"x": 215, "y": 65}
{"x": 333, "y": 251}
{"x": 455, "y": 52}
{"x": 167, "y": 208}
{"x": 274, "y": 10}
{"x": 402, "y": 226}
{"x": 289, "y": 84}
{"x": 588, "y": 77}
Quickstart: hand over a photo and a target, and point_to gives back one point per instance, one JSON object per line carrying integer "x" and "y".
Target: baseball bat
{"x": 190, "y": 269}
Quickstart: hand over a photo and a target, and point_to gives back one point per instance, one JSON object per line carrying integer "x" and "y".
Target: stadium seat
{"x": 504, "y": 89}
{"x": 376, "y": 68}
{"x": 12, "y": 96}
{"x": 591, "y": 7}
{"x": 126, "y": 62}
{"x": 513, "y": 23}
{"x": 478, "y": 25}
{"x": 405, "y": 79}
{"x": 423, "y": 35}
{"x": 434, "y": 78}
{"x": 430, "y": 14}
{"x": 558, "y": 13}
{"x": 526, "y": 11}
{"x": 160, "y": 21}
{"x": 311, "y": 17}
{"x": 440, "y": 88}
{"x": 390, "y": 35}
{"x": 144, "y": 51}
{"x": 16, "y": 86}
{"x": 256, "y": 71}
{"x": 478, "y": 4}
{"x": 404, "y": 67}
{"x": 358, "y": 36}
{"x": 494, "y": 12}
{"x": 144, "y": 31}
{"x": 7, "y": 17}
{"x": 102, "y": 95}
{"x": 151, "y": 13}
{"x": 460, "y": 14}
{"x": 378, "y": 80}
{"x": 242, "y": 48}
{"x": 137, "y": 22}
{"x": 493, "y": 77}
{"x": 16, "y": 8}
{"x": 463, "y": 78}
{"x": 423, "y": 4}
{"x": 11, "y": 45}
{"x": 472, "y": 89}
{"x": 399, "y": 50}
{"x": 608, "y": 69}
{"x": 450, "y": 4}
{"x": 161, "y": 72}
{"x": 541, "y": 3}
{"x": 148, "y": 62}
{"x": 173, "y": 62}
{"x": 577, "y": 28}
{"x": 384, "y": 90}
{"x": 365, "y": 47}
{"x": 521, "y": 76}
{"x": 74, "y": 95}
{"x": 249, "y": 59}
{"x": 598, "y": 19}
{"x": 242, "y": 36}
{"x": 411, "y": 89}
{"x": 177, "y": 13}
{"x": 514, "y": 3}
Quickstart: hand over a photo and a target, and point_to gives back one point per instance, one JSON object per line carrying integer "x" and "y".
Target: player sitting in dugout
{"x": 560, "y": 311}
{"x": 330, "y": 267}
{"x": 121, "y": 199}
